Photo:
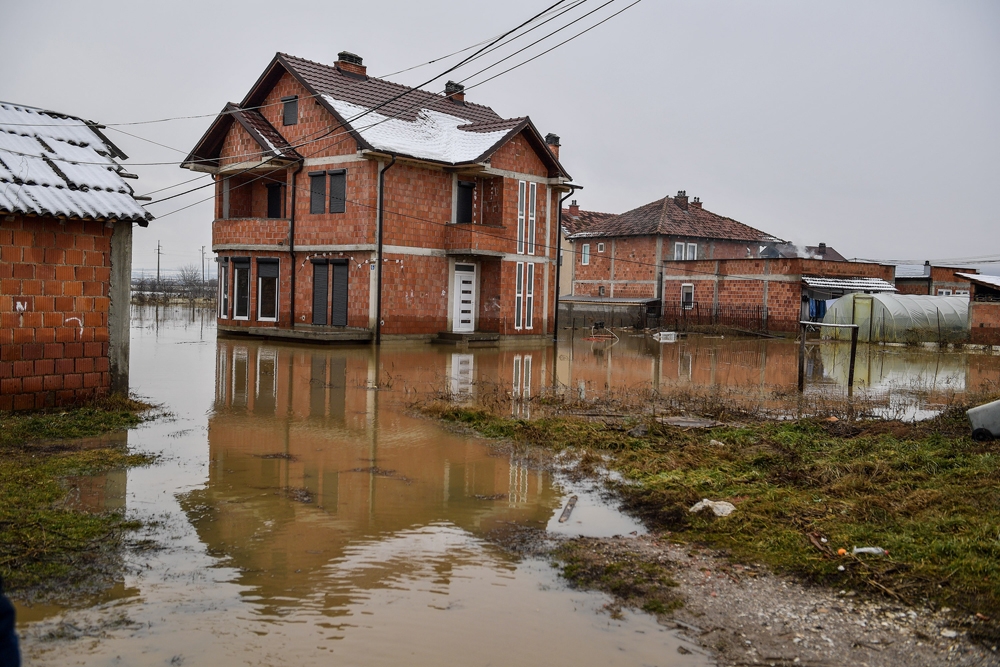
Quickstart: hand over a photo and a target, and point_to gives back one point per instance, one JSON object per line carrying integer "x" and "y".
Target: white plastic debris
{"x": 718, "y": 507}
{"x": 949, "y": 634}
{"x": 877, "y": 551}
{"x": 716, "y": 443}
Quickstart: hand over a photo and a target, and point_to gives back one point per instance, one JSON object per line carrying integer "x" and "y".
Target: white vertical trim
{"x": 532, "y": 202}
{"x": 520, "y": 217}
{"x": 585, "y": 254}
{"x": 518, "y": 295}
{"x": 529, "y": 297}
{"x": 678, "y": 251}
{"x": 692, "y": 251}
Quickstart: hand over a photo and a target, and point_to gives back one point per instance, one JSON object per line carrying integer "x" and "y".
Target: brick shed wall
{"x": 56, "y": 352}
{"x": 984, "y": 322}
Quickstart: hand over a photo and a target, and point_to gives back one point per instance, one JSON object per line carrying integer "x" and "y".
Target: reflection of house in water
{"x": 309, "y": 462}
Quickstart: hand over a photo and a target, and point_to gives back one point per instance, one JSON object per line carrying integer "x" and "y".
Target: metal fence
{"x": 684, "y": 318}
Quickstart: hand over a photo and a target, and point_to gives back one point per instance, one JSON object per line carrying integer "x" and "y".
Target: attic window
{"x": 290, "y": 114}
{"x": 600, "y": 247}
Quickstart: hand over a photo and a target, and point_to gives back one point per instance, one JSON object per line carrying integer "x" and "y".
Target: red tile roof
{"x": 666, "y": 217}
{"x": 573, "y": 224}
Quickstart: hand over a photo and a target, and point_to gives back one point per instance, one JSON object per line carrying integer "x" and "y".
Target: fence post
{"x": 850, "y": 372}
{"x": 802, "y": 358}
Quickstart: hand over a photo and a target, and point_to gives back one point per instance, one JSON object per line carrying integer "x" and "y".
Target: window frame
{"x": 518, "y": 296}
{"x": 689, "y": 289}
{"x": 529, "y": 295}
{"x": 223, "y": 287}
{"x": 600, "y": 247}
{"x": 585, "y": 254}
{"x": 521, "y": 194}
{"x": 317, "y": 196}
{"x": 337, "y": 174}
{"x": 532, "y": 201}
{"x": 692, "y": 249}
{"x": 290, "y": 102}
{"x": 944, "y": 291}
{"x": 260, "y": 288}
{"x": 238, "y": 266}
{"x": 679, "y": 250}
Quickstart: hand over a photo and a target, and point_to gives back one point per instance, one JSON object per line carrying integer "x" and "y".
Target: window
{"x": 463, "y": 212}
{"x": 241, "y": 288}
{"x": 692, "y": 251}
{"x": 585, "y": 254}
{"x": 338, "y": 191}
{"x": 961, "y": 292}
{"x": 224, "y": 288}
{"x": 943, "y": 292}
{"x": 600, "y": 290}
{"x": 529, "y": 296}
{"x": 321, "y": 291}
{"x": 225, "y": 198}
{"x": 687, "y": 296}
{"x": 290, "y": 111}
{"x": 267, "y": 289}
{"x": 275, "y": 200}
{"x": 600, "y": 247}
{"x": 519, "y": 295}
{"x": 532, "y": 198}
{"x": 678, "y": 251}
{"x": 520, "y": 217}
{"x": 317, "y": 192}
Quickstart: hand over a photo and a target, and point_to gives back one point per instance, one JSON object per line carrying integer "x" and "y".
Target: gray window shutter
{"x": 320, "y": 281}
{"x": 338, "y": 191}
{"x": 317, "y": 193}
{"x": 267, "y": 268}
{"x": 339, "y": 315}
{"x": 465, "y": 190}
{"x": 291, "y": 110}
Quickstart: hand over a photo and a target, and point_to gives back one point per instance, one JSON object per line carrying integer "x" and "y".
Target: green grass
{"x": 926, "y": 492}
{"x": 46, "y": 543}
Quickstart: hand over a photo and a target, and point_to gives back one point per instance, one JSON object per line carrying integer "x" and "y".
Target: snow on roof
{"x": 433, "y": 135}
{"x": 992, "y": 281}
{"x": 58, "y": 165}
{"x": 853, "y": 284}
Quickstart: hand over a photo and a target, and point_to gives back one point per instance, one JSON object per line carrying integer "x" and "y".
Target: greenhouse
{"x": 899, "y": 318}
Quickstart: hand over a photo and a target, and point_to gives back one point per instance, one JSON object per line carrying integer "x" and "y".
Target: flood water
{"x": 302, "y": 514}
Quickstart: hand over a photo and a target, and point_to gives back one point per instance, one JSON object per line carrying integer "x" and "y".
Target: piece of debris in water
{"x": 495, "y": 496}
{"x": 570, "y": 504}
{"x": 718, "y": 507}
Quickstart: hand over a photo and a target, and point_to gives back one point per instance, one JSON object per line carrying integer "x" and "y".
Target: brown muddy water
{"x": 302, "y": 514}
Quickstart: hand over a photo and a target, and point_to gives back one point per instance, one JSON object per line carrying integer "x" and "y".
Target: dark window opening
{"x": 290, "y": 115}
{"x": 241, "y": 289}
{"x": 267, "y": 289}
{"x": 275, "y": 200}
{"x": 317, "y": 193}
{"x": 338, "y": 191}
{"x": 465, "y": 192}
{"x": 224, "y": 288}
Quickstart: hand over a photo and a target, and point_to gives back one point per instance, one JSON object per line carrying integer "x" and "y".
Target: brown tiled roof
{"x": 666, "y": 217}
{"x": 574, "y": 224}
{"x": 370, "y": 92}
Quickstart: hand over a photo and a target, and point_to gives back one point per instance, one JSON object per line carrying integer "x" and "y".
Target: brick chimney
{"x": 821, "y": 249}
{"x": 574, "y": 208}
{"x": 696, "y": 203}
{"x": 553, "y": 142}
{"x": 682, "y": 199}
{"x": 455, "y": 92}
{"x": 351, "y": 63}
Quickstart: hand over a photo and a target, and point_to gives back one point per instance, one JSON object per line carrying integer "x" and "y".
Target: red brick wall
{"x": 60, "y": 270}
{"x": 984, "y": 322}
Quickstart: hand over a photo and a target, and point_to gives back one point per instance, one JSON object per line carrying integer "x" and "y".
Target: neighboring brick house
{"x": 66, "y": 216}
{"x": 574, "y": 220}
{"x": 932, "y": 280}
{"x": 984, "y": 309}
{"x": 791, "y": 251}
{"x": 349, "y": 207}
{"x": 779, "y": 290}
{"x": 622, "y": 256}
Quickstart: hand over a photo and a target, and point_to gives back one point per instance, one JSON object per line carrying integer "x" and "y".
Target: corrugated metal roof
{"x": 59, "y": 165}
{"x": 992, "y": 281}
{"x": 850, "y": 284}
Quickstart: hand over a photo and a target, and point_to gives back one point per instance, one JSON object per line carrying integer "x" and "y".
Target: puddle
{"x": 301, "y": 515}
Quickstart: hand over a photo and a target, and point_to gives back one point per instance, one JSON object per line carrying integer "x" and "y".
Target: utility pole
{"x": 158, "y": 253}
{"x": 203, "y": 270}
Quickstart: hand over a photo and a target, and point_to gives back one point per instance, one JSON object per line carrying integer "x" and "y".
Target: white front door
{"x": 464, "y": 295}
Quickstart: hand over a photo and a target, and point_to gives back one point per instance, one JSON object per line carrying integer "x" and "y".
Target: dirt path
{"x": 744, "y": 615}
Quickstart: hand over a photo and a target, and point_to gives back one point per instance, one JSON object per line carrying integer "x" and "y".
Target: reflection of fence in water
{"x": 750, "y": 318}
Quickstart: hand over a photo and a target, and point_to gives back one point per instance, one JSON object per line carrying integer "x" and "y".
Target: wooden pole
{"x": 850, "y": 372}
{"x": 802, "y": 357}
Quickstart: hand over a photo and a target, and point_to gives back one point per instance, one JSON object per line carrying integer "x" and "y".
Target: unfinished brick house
{"x": 932, "y": 280}
{"x": 763, "y": 294}
{"x": 984, "y": 308}
{"x": 66, "y": 216}
{"x": 574, "y": 220}
{"x": 348, "y": 207}
{"x": 621, "y": 256}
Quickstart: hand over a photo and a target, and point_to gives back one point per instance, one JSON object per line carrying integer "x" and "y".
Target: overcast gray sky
{"x": 872, "y": 126}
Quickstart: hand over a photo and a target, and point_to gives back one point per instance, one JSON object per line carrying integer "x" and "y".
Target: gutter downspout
{"x": 291, "y": 239}
{"x": 555, "y": 320}
{"x": 378, "y": 254}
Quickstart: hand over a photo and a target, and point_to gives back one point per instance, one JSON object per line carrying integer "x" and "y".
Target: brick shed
{"x": 348, "y": 208}
{"x": 66, "y": 216}
{"x": 984, "y": 309}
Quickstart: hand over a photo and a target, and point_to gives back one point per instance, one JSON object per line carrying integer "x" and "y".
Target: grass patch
{"x": 924, "y": 491}
{"x": 46, "y": 541}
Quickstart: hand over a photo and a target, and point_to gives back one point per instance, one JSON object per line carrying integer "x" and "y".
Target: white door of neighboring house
{"x": 464, "y": 295}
